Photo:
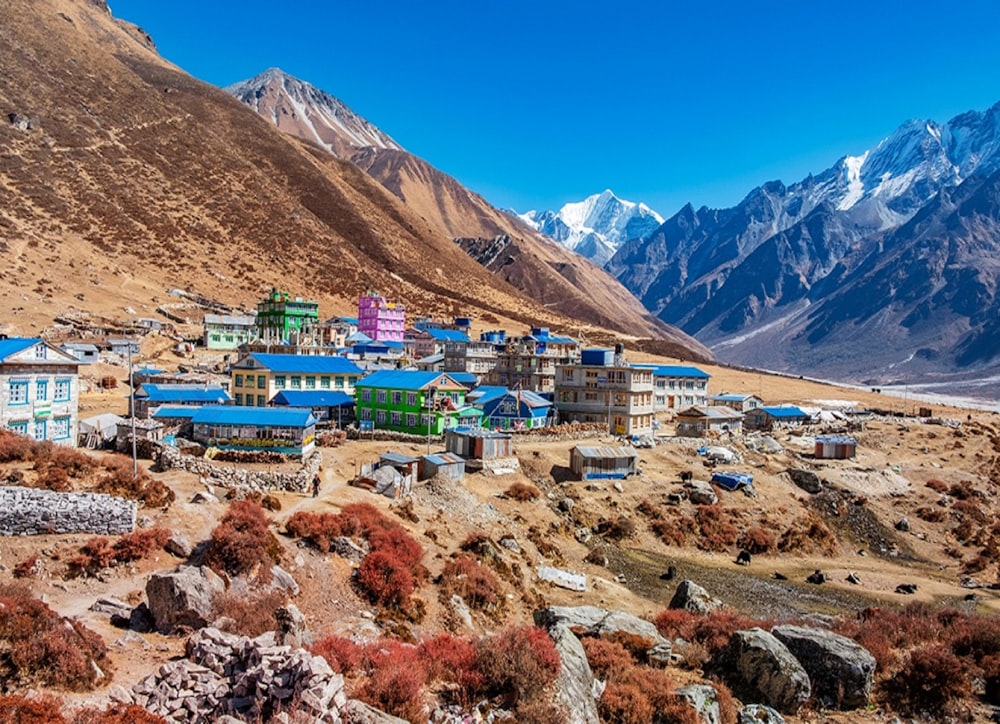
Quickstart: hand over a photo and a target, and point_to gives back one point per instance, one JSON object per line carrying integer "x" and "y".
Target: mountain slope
{"x": 597, "y": 226}
{"x": 542, "y": 269}
{"x": 741, "y": 278}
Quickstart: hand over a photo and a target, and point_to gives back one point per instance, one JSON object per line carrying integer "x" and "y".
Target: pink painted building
{"x": 381, "y": 319}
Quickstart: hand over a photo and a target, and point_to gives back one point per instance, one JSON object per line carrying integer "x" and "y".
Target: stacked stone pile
{"x": 29, "y": 511}
{"x": 254, "y": 679}
{"x": 236, "y": 477}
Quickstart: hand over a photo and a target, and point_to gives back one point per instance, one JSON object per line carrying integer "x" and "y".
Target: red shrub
{"x": 938, "y": 486}
{"x": 242, "y": 544}
{"x": 117, "y": 714}
{"x": 475, "y": 583}
{"x": 118, "y": 480}
{"x": 27, "y": 568}
{"x": 15, "y": 447}
{"x": 808, "y": 534}
{"x": 395, "y": 688}
{"x": 95, "y": 555}
{"x": 624, "y": 704}
{"x": 343, "y": 655}
{"x": 932, "y": 514}
{"x": 675, "y": 623}
{"x": 712, "y": 630}
{"x": 317, "y": 528}
{"x": 717, "y": 533}
{"x": 606, "y": 658}
{"x": 139, "y": 544}
{"x": 658, "y": 688}
{"x": 757, "y": 540}
{"x": 399, "y": 545}
{"x": 361, "y": 519}
{"x": 519, "y": 661}
{"x": 523, "y": 492}
{"x": 672, "y": 532}
{"x": 452, "y": 659}
{"x": 933, "y": 680}
{"x": 616, "y": 529}
{"x": 635, "y": 644}
{"x": 248, "y": 614}
{"x": 15, "y": 709}
{"x": 386, "y": 580}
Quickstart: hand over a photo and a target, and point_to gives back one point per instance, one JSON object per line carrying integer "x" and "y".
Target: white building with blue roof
{"x": 259, "y": 376}
{"x": 288, "y": 430}
{"x": 677, "y": 387}
{"x": 39, "y": 390}
{"x": 149, "y": 397}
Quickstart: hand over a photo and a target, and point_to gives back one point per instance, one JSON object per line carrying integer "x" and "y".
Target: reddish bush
{"x": 932, "y": 681}
{"x": 649, "y": 509}
{"x": 395, "y": 688}
{"x": 475, "y": 583}
{"x": 117, "y": 714}
{"x": 616, "y": 529}
{"x": 317, "y": 528}
{"x": 139, "y": 544}
{"x": 54, "y": 478}
{"x": 478, "y": 544}
{"x": 27, "y": 568}
{"x": 361, "y": 519}
{"x": 452, "y": 659}
{"x": 523, "y": 492}
{"x": 757, "y": 540}
{"x": 606, "y": 657}
{"x": 399, "y": 545}
{"x": 241, "y": 544}
{"x": 519, "y": 662}
{"x": 712, "y": 630}
{"x": 932, "y": 514}
{"x": 658, "y": 688}
{"x": 343, "y": 655}
{"x": 386, "y": 580}
{"x": 94, "y": 556}
{"x": 636, "y": 645}
{"x": 808, "y": 534}
{"x": 672, "y": 532}
{"x": 624, "y": 704}
{"x": 675, "y": 623}
{"x": 14, "y": 447}
{"x": 15, "y": 709}
{"x": 248, "y": 614}
{"x": 717, "y": 532}
{"x": 938, "y": 486}
{"x": 118, "y": 480}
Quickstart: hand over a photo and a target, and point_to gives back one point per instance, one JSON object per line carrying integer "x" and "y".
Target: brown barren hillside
{"x": 121, "y": 177}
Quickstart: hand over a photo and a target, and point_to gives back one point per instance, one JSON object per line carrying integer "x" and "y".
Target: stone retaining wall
{"x": 230, "y": 476}
{"x": 29, "y": 511}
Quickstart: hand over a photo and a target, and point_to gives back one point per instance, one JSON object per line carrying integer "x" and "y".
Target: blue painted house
{"x": 326, "y": 405}
{"x": 765, "y": 418}
{"x": 288, "y": 430}
{"x": 505, "y": 409}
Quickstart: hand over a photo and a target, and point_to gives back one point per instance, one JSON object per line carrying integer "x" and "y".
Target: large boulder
{"x": 805, "y": 479}
{"x": 576, "y": 684}
{"x": 761, "y": 669}
{"x": 689, "y": 596}
{"x": 702, "y": 493}
{"x": 841, "y": 670}
{"x": 183, "y": 597}
{"x": 704, "y": 699}
{"x": 597, "y": 621}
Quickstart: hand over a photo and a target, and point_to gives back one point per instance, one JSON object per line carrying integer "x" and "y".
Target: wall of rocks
{"x": 29, "y": 511}
{"x": 230, "y": 476}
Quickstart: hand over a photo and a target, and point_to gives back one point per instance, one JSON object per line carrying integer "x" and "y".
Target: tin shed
{"x": 603, "y": 462}
{"x": 835, "y": 447}
{"x": 478, "y": 444}
{"x": 448, "y": 464}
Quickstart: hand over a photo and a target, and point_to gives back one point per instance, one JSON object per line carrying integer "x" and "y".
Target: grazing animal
{"x": 686, "y": 476}
{"x": 816, "y": 577}
{"x": 780, "y": 576}
{"x": 907, "y": 588}
{"x": 744, "y": 558}
{"x": 670, "y": 575}
{"x": 852, "y": 577}
{"x": 971, "y": 597}
{"x": 867, "y": 614}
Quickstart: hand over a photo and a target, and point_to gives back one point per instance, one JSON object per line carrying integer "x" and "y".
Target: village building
{"x": 288, "y": 430}
{"x": 84, "y": 352}
{"x": 834, "y": 447}
{"x": 410, "y": 401}
{"x": 429, "y": 341}
{"x": 529, "y": 362}
{"x": 380, "y": 319}
{"x": 328, "y": 406}
{"x": 378, "y": 351}
{"x": 39, "y": 390}
{"x": 431, "y": 363}
{"x": 283, "y": 320}
{"x": 123, "y": 346}
{"x": 446, "y": 464}
{"x": 505, "y": 409}
{"x": 337, "y": 330}
{"x": 678, "y": 386}
{"x": 479, "y": 443}
{"x": 259, "y": 376}
{"x": 597, "y": 463}
{"x": 228, "y": 331}
{"x": 149, "y": 397}
{"x": 766, "y": 418}
{"x": 697, "y": 420}
{"x": 740, "y": 402}
{"x": 603, "y": 387}
{"x": 99, "y": 431}
{"x": 477, "y": 358}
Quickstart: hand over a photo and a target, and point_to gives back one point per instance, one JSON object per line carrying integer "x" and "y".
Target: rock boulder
{"x": 840, "y": 669}
{"x": 761, "y": 669}
{"x": 689, "y": 596}
{"x": 182, "y": 597}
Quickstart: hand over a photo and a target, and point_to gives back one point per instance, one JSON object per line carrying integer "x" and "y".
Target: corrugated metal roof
{"x": 836, "y": 439}
{"x": 480, "y": 432}
{"x": 730, "y": 397}
{"x": 13, "y": 345}
{"x": 262, "y": 416}
{"x": 445, "y": 458}
{"x": 182, "y": 393}
{"x": 785, "y": 411}
{"x": 407, "y": 380}
{"x": 307, "y": 363}
{"x": 485, "y": 393}
{"x": 168, "y": 412}
{"x": 312, "y": 398}
{"x": 397, "y": 458}
{"x": 607, "y": 452}
{"x": 231, "y": 319}
{"x": 679, "y": 371}
{"x": 447, "y": 335}
{"x": 463, "y": 378}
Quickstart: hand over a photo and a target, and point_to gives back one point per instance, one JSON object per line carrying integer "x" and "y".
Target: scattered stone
{"x": 461, "y": 610}
{"x": 21, "y": 123}
{"x": 281, "y": 580}
{"x": 291, "y": 626}
{"x": 805, "y": 479}
{"x": 702, "y": 493}
{"x": 852, "y": 577}
{"x": 563, "y": 579}
{"x": 182, "y": 597}
{"x": 203, "y": 497}
{"x": 347, "y": 548}
{"x": 841, "y": 670}
{"x": 112, "y": 607}
{"x": 759, "y": 714}
{"x": 566, "y": 505}
{"x": 583, "y": 535}
{"x": 757, "y": 666}
{"x": 689, "y": 596}
{"x": 661, "y": 655}
{"x": 704, "y": 699}
{"x": 619, "y": 487}
{"x": 357, "y": 712}
{"x": 907, "y": 588}
{"x": 178, "y": 545}
{"x": 510, "y": 543}
{"x": 903, "y": 525}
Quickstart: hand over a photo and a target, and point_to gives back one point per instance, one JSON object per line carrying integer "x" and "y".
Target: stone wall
{"x": 28, "y": 511}
{"x": 230, "y": 476}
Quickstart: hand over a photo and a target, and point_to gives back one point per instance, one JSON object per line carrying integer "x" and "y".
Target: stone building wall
{"x": 29, "y": 511}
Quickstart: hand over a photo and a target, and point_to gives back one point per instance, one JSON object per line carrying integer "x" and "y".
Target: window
{"x": 40, "y": 429}
{"x": 296, "y": 382}
{"x": 261, "y": 382}
{"x": 40, "y": 354}
{"x": 17, "y": 392}
{"x": 411, "y": 399}
{"x": 310, "y": 383}
{"x": 380, "y": 417}
{"x": 279, "y": 382}
{"x": 509, "y": 407}
{"x": 366, "y": 414}
{"x": 425, "y": 420}
{"x": 380, "y": 397}
{"x": 411, "y": 419}
{"x": 238, "y": 398}
{"x": 60, "y": 428}
{"x": 41, "y": 390}
{"x": 397, "y": 397}
{"x": 338, "y": 382}
{"x": 260, "y": 401}
{"x": 216, "y": 337}
{"x": 324, "y": 382}
{"x": 238, "y": 381}
{"x": 366, "y": 395}
{"x": 20, "y": 427}
{"x": 397, "y": 418}
{"x": 62, "y": 390}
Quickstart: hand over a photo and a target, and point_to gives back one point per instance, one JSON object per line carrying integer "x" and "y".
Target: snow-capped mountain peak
{"x": 596, "y": 226}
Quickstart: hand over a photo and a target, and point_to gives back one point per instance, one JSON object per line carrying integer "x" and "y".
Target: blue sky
{"x": 534, "y": 104}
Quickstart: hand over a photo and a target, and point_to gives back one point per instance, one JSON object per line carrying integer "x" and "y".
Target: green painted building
{"x": 419, "y": 403}
{"x": 281, "y": 319}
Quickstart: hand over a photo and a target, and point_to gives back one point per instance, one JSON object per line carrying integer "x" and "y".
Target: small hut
{"x": 591, "y": 463}
{"x": 478, "y": 443}
{"x": 835, "y": 447}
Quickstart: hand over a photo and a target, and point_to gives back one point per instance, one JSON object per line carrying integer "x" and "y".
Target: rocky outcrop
{"x": 840, "y": 669}
{"x": 761, "y": 669}
{"x": 702, "y": 493}
{"x": 805, "y": 479}
{"x": 597, "y": 621}
{"x": 689, "y": 596}
{"x": 29, "y": 511}
{"x": 183, "y": 597}
{"x": 704, "y": 699}
{"x": 576, "y": 684}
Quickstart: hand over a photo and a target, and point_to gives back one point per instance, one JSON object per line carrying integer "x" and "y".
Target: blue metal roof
{"x": 261, "y": 416}
{"x": 401, "y": 379}
{"x": 463, "y": 378}
{"x": 836, "y": 439}
{"x": 784, "y": 412}
{"x": 484, "y": 393}
{"x": 730, "y": 397}
{"x": 13, "y": 345}
{"x": 168, "y": 412}
{"x": 307, "y": 363}
{"x": 679, "y": 371}
{"x": 183, "y": 393}
{"x": 357, "y": 338}
{"x": 550, "y": 338}
{"x": 312, "y": 398}
{"x": 377, "y": 345}
{"x": 148, "y": 371}
{"x": 447, "y": 335}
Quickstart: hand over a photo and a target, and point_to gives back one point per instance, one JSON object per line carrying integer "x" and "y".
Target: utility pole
{"x": 131, "y": 392}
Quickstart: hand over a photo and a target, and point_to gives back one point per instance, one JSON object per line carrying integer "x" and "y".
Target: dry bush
{"x": 624, "y": 704}
{"x": 658, "y": 688}
{"x": 27, "y": 568}
{"x": 265, "y": 501}
{"x": 116, "y": 714}
{"x": 99, "y": 553}
{"x": 452, "y": 660}
{"x": 962, "y": 490}
{"x": 886, "y": 633}
{"x": 16, "y": 709}
{"x": 396, "y": 678}
{"x": 45, "y": 648}
{"x": 518, "y": 662}
{"x": 475, "y": 583}
{"x": 932, "y": 681}
{"x": 757, "y": 540}
{"x": 717, "y": 533}
{"x": 477, "y": 543}
{"x": 316, "y": 528}
{"x": 808, "y": 534}
{"x": 343, "y": 655}
{"x": 938, "y": 486}
{"x": 140, "y": 543}
{"x": 932, "y": 514}
{"x": 400, "y": 545}
{"x": 118, "y": 480}
{"x": 385, "y": 579}
{"x": 711, "y": 630}
{"x": 14, "y": 447}
{"x": 966, "y": 509}
{"x": 638, "y": 646}
{"x": 242, "y": 544}
{"x": 248, "y": 614}
{"x": 673, "y": 532}
{"x": 523, "y": 492}
{"x": 606, "y": 657}
{"x": 617, "y": 528}
{"x": 539, "y": 712}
